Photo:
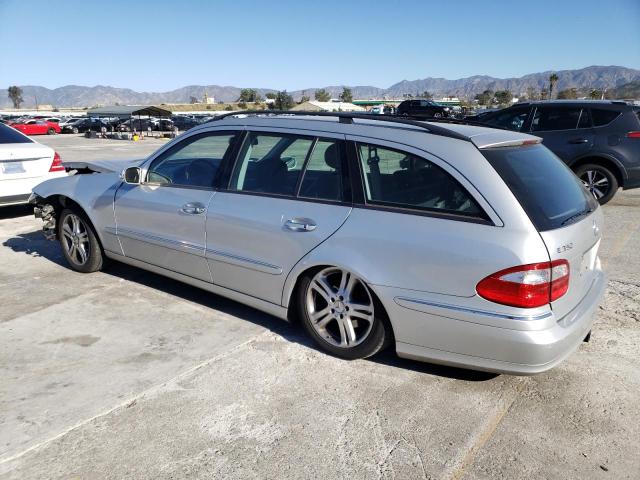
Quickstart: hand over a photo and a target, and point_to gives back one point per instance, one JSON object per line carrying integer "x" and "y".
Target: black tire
{"x": 51, "y": 131}
{"x": 93, "y": 252}
{"x": 75, "y": 130}
{"x": 599, "y": 173}
{"x": 378, "y": 338}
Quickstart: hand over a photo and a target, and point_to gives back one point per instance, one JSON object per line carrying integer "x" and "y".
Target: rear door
{"x": 162, "y": 220}
{"x": 565, "y": 130}
{"x": 562, "y": 210}
{"x": 285, "y": 195}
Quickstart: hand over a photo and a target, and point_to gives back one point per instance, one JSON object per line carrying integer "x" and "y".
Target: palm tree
{"x": 553, "y": 79}
{"x": 595, "y": 94}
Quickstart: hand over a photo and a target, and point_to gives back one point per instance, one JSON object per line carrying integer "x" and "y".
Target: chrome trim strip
{"x": 28, "y": 159}
{"x": 403, "y": 301}
{"x": 179, "y": 245}
{"x": 244, "y": 262}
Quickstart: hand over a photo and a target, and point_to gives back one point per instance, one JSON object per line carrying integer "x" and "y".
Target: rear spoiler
{"x": 484, "y": 141}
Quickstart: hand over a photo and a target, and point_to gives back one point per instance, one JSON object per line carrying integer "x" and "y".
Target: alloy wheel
{"x": 75, "y": 239}
{"x": 340, "y": 307}
{"x": 596, "y": 182}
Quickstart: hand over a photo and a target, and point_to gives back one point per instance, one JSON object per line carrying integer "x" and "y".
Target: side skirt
{"x": 267, "y": 307}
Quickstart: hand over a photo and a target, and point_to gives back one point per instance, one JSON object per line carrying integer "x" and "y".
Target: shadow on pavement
{"x": 15, "y": 211}
{"x": 34, "y": 244}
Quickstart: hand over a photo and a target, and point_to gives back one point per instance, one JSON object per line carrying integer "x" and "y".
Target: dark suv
{"x": 599, "y": 140}
{"x": 422, "y": 108}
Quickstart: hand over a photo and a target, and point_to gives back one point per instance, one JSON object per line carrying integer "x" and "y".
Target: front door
{"x": 162, "y": 220}
{"x": 286, "y": 195}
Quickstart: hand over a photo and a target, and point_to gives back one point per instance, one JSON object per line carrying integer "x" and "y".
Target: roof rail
{"x": 348, "y": 117}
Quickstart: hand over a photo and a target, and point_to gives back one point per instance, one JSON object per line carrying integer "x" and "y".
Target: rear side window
{"x": 548, "y": 191}
{"x": 603, "y": 117}
{"x": 399, "y": 179}
{"x": 11, "y": 135}
{"x": 324, "y": 172}
{"x": 547, "y": 118}
{"x": 270, "y": 163}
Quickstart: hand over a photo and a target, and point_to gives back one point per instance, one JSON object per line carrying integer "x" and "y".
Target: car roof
{"x": 573, "y": 102}
{"x": 480, "y": 136}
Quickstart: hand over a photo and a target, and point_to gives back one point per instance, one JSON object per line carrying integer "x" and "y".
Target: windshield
{"x": 546, "y": 188}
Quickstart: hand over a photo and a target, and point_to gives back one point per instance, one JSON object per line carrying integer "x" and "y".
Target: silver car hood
{"x": 102, "y": 166}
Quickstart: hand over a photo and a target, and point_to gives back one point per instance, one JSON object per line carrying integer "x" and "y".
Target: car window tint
{"x": 401, "y": 179}
{"x": 585, "y": 120}
{"x": 324, "y": 172}
{"x": 193, "y": 162}
{"x": 270, "y": 163}
{"x": 546, "y": 188}
{"x": 547, "y": 118}
{"x": 11, "y": 135}
{"x": 603, "y": 117}
{"x": 511, "y": 118}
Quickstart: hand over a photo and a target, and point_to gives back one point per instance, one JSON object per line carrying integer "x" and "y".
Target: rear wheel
{"x": 51, "y": 131}
{"x": 79, "y": 242}
{"x": 599, "y": 180}
{"x": 341, "y": 314}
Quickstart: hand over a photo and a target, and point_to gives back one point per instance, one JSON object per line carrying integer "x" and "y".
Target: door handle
{"x": 576, "y": 141}
{"x": 193, "y": 208}
{"x": 300, "y": 225}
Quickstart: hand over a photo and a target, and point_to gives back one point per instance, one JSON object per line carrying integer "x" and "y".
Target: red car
{"x": 37, "y": 127}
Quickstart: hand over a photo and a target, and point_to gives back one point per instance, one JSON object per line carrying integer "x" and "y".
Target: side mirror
{"x": 131, "y": 175}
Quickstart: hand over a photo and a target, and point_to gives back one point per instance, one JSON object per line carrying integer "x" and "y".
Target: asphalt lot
{"x": 126, "y": 374}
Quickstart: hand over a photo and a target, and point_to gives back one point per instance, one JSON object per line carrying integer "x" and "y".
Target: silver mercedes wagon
{"x": 456, "y": 244}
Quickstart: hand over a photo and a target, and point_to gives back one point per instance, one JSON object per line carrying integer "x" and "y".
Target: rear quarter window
{"x": 10, "y": 135}
{"x": 547, "y": 189}
{"x": 603, "y": 117}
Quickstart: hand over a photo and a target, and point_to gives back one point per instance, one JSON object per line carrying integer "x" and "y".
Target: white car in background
{"x": 24, "y": 163}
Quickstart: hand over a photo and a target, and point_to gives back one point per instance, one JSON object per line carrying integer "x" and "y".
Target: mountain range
{"x": 600, "y": 77}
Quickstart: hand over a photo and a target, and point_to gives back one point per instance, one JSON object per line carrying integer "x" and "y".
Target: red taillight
{"x": 56, "y": 165}
{"x": 633, "y": 134}
{"x": 527, "y": 286}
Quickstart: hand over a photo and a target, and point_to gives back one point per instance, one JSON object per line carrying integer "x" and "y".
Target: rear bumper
{"x": 479, "y": 346}
{"x": 19, "y": 189}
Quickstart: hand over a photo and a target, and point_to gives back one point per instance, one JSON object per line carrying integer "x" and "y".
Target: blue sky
{"x": 161, "y": 45}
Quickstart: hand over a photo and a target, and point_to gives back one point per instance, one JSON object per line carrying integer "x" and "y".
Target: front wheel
{"x": 51, "y": 131}
{"x": 341, "y": 314}
{"x": 79, "y": 242}
{"x": 599, "y": 180}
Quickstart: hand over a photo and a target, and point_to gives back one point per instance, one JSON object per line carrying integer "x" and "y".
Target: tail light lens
{"x": 633, "y": 134}
{"x": 56, "y": 165}
{"x": 527, "y": 286}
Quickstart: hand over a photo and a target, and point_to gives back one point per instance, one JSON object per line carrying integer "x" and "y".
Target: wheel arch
{"x": 293, "y": 281}
{"x": 606, "y": 161}
{"x": 60, "y": 202}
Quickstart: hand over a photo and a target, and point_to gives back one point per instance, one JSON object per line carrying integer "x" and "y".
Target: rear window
{"x": 546, "y": 188}
{"x": 11, "y": 135}
{"x": 603, "y": 117}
